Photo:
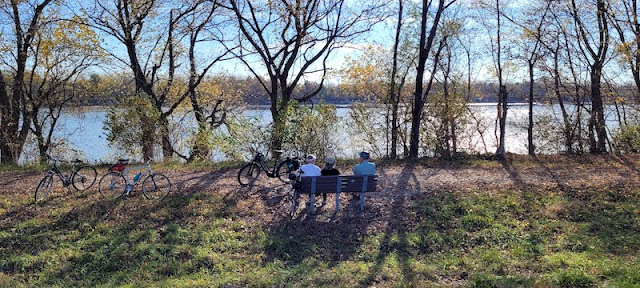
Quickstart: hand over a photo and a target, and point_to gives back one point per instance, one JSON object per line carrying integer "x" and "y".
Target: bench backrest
{"x": 334, "y": 184}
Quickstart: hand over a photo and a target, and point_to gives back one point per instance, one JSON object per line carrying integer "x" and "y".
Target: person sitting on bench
{"x": 328, "y": 170}
{"x": 310, "y": 169}
{"x": 365, "y": 167}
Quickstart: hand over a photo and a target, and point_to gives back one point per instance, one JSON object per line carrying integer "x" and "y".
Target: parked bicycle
{"x": 250, "y": 171}
{"x": 115, "y": 183}
{"x": 81, "y": 178}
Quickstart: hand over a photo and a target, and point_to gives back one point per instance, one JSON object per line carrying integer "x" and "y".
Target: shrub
{"x": 627, "y": 139}
{"x": 131, "y": 125}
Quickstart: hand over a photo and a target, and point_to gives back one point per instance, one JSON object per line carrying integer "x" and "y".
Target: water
{"x": 85, "y": 137}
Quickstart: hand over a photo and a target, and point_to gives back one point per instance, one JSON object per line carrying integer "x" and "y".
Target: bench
{"x": 333, "y": 184}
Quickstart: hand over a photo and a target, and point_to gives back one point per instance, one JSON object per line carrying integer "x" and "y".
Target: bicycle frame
{"x": 66, "y": 179}
{"x": 134, "y": 180}
{"x": 262, "y": 162}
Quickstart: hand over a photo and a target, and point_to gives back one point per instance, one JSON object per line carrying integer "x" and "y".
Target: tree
{"x": 593, "y": 46}
{"x": 502, "y": 89}
{"x": 448, "y": 106}
{"x": 149, "y": 38}
{"x": 557, "y": 42}
{"x": 15, "y": 111}
{"x": 63, "y": 51}
{"x": 426, "y": 42}
{"x": 532, "y": 31}
{"x": 394, "y": 88}
{"x": 291, "y": 40}
{"x": 625, "y": 20}
{"x": 201, "y": 97}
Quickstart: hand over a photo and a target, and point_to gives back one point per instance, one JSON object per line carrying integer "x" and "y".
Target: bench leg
{"x": 338, "y": 201}
{"x": 294, "y": 202}
{"x": 312, "y": 208}
{"x": 362, "y": 201}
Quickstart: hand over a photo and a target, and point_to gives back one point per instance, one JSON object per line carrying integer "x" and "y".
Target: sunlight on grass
{"x": 525, "y": 237}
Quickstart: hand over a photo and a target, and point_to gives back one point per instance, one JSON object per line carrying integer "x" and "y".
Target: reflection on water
{"x": 85, "y": 134}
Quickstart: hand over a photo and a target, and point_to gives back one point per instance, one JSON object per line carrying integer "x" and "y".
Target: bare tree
{"x": 502, "y": 91}
{"x": 394, "y": 91}
{"x": 532, "y": 33}
{"x": 556, "y": 42}
{"x": 426, "y": 42}
{"x": 594, "y": 46}
{"x": 151, "y": 44}
{"x": 292, "y": 40}
{"x": 210, "y": 110}
{"x": 15, "y": 111}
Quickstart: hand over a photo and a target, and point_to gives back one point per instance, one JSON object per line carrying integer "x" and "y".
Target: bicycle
{"x": 81, "y": 178}
{"x": 116, "y": 182}
{"x": 250, "y": 171}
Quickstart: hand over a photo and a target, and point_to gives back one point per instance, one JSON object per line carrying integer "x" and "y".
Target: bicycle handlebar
{"x": 55, "y": 160}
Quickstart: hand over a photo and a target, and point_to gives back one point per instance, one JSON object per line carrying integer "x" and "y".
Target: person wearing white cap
{"x": 310, "y": 169}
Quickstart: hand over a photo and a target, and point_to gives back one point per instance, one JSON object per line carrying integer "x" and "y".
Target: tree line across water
{"x": 420, "y": 63}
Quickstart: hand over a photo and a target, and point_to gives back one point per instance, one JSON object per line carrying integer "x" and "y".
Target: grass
{"x": 527, "y": 237}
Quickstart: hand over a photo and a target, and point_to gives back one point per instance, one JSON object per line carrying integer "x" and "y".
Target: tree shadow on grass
{"x": 554, "y": 176}
{"x": 626, "y": 161}
{"x": 302, "y": 238}
{"x": 612, "y": 226}
{"x": 514, "y": 175}
{"x": 395, "y": 235}
{"x": 13, "y": 178}
{"x": 116, "y": 237}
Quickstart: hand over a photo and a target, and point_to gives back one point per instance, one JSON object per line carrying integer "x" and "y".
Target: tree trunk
{"x": 394, "y": 91}
{"x": 597, "y": 111}
{"x": 502, "y": 119}
{"x": 419, "y": 95}
{"x": 147, "y": 137}
{"x": 502, "y": 94}
{"x": 163, "y": 128}
{"x": 567, "y": 131}
{"x": 278, "y": 122}
{"x": 532, "y": 150}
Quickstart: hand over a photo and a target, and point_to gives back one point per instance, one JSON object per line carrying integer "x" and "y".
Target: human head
{"x": 330, "y": 161}
{"x": 311, "y": 158}
{"x": 364, "y": 155}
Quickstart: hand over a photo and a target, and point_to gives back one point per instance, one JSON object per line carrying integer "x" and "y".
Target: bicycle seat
{"x": 278, "y": 151}
{"x": 76, "y": 161}
{"x": 123, "y": 160}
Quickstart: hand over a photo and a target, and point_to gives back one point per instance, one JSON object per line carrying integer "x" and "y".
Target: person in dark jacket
{"x": 328, "y": 170}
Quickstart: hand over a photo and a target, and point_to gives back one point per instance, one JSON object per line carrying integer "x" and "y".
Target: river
{"x": 84, "y": 135}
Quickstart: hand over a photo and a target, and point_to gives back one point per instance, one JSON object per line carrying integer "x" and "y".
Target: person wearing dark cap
{"x": 328, "y": 170}
{"x": 365, "y": 167}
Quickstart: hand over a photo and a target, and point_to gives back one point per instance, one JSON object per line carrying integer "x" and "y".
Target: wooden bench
{"x": 333, "y": 184}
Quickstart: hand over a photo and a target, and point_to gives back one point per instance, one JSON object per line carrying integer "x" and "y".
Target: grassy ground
{"x": 547, "y": 222}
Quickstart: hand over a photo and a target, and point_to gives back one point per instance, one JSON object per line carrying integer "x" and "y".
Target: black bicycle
{"x": 81, "y": 178}
{"x": 281, "y": 170}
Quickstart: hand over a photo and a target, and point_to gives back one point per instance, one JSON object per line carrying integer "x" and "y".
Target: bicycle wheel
{"x": 112, "y": 185}
{"x": 43, "y": 188}
{"x": 284, "y": 169}
{"x": 248, "y": 173}
{"x": 84, "y": 178}
{"x": 156, "y": 186}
